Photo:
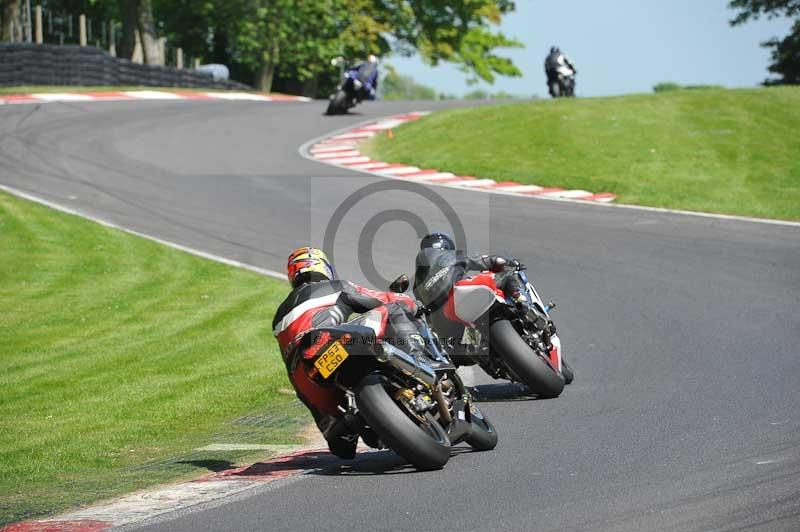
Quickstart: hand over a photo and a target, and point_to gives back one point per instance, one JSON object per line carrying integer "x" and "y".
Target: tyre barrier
{"x": 47, "y": 64}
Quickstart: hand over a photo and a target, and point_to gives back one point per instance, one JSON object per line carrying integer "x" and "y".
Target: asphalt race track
{"x": 683, "y": 330}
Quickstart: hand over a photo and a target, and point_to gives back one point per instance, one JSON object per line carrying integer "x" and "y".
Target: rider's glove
{"x": 513, "y": 264}
{"x": 422, "y": 310}
{"x": 498, "y": 263}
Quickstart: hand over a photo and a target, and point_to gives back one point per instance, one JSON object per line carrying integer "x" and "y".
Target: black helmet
{"x": 555, "y": 50}
{"x": 438, "y": 241}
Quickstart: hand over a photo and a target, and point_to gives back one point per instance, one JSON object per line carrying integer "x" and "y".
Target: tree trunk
{"x": 128, "y": 9}
{"x": 219, "y": 50}
{"x": 147, "y": 30}
{"x": 11, "y": 30}
{"x": 267, "y": 71}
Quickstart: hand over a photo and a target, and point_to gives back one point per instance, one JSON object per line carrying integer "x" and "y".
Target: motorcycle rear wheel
{"x": 423, "y": 443}
{"x": 524, "y": 362}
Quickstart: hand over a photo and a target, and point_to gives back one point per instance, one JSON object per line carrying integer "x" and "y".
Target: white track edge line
{"x": 180, "y": 247}
{"x": 303, "y": 150}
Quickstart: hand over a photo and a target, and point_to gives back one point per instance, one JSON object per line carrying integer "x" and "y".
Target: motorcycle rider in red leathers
{"x": 317, "y": 300}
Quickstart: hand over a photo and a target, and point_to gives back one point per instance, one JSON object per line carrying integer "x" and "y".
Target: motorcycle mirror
{"x": 400, "y": 284}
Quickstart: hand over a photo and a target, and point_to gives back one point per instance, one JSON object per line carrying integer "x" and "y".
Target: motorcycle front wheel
{"x": 483, "y": 436}
{"x": 524, "y": 362}
{"x": 566, "y": 371}
{"x": 417, "y": 438}
{"x": 338, "y": 104}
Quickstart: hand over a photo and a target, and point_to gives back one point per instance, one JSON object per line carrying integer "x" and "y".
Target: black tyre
{"x": 526, "y": 364}
{"x": 555, "y": 89}
{"x": 338, "y": 105}
{"x": 566, "y": 371}
{"x": 424, "y": 443}
{"x": 483, "y": 437}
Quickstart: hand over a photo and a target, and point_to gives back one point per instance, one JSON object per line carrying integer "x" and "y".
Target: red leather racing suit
{"x": 328, "y": 304}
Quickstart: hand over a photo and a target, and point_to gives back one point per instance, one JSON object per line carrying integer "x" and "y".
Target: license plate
{"x": 331, "y": 359}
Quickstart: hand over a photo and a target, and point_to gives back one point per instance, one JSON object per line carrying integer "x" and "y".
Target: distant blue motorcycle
{"x": 359, "y": 83}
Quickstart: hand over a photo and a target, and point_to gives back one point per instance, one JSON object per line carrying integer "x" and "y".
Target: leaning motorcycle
{"x": 508, "y": 336}
{"x": 409, "y": 400}
{"x": 349, "y": 93}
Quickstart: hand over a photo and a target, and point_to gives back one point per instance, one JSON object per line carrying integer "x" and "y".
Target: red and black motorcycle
{"x": 409, "y": 400}
{"x": 511, "y": 336}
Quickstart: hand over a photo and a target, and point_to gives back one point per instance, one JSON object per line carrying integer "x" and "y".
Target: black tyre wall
{"x": 534, "y": 371}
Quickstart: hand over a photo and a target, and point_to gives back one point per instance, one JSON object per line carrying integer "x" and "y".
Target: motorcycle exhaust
{"x": 441, "y": 402}
{"x": 408, "y": 364}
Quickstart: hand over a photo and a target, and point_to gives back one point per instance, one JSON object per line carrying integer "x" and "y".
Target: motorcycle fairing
{"x": 323, "y": 398}
{"x": 472, "y": 297}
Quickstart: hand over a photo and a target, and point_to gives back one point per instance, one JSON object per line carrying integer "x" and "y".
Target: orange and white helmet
{"x": 308, "y": 264}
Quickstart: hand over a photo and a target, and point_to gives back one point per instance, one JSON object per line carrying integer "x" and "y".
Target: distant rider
{"x": 555, "y": 64}
{"x": 317, "y": 300}
{"x": 367, "y": 74}
{"x": 439, "y": 266}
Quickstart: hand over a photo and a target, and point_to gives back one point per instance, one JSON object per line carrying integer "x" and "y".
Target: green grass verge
{"x": 119, "y": 357}
{"x": 724, "y": 151}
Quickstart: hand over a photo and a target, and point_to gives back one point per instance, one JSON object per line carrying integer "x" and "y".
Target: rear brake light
{"x": 319, "y": 340}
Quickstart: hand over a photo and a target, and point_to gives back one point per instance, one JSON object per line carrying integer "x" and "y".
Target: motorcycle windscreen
{"x": 470, "y": 302}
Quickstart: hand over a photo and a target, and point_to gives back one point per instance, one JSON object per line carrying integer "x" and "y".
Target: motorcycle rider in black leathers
{"x": 438, "y": 267}
{"x": 555, "y": 60}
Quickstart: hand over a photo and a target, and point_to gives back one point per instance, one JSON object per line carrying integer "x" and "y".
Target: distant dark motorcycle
{"x": 411, "y": 401}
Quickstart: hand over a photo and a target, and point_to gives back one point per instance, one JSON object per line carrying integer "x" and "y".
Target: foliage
{"x": 786, "y": 51}
{"x": 398, "y": 87}
{"x": 786, "y": 58}
{"x": 728, "y": 151}
{"x": 670, "y": 86}
{"x": 481, "y": 94}
{"x": 753, "y": 9}
{"x": 477, "y": 94}
{"x": 667, "y": 86}
{"x": 296, "y": 39}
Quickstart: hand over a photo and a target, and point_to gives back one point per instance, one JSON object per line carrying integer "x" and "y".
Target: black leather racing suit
{"x": 436, "y": 272}
{"x": 551, "y": 64}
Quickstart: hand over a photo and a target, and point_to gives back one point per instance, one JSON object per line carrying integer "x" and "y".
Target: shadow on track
{"x": 502, "y": 392}
{"x": 318, "y": 462}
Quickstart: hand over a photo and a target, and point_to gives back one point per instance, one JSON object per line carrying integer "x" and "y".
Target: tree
{"x": 10, "y": 30}
{"x": 395, "y": 86}
{"x": 279, "y": 32}
{"x": 786, "y": 58}
{"x": 137, "y": 15}
{"x": 300, "y": 37}
{"x": 458, "y": 32}
{"x": 146, "y": 24}
{"x": 785, "y": 52}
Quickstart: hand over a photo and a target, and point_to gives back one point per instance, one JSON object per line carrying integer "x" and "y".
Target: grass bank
{"x": 120, "y": 358}
{"x": 725, "y": 151}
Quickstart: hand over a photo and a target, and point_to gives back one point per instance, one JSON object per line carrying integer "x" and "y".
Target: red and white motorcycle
{"x": 522, "y": 343}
